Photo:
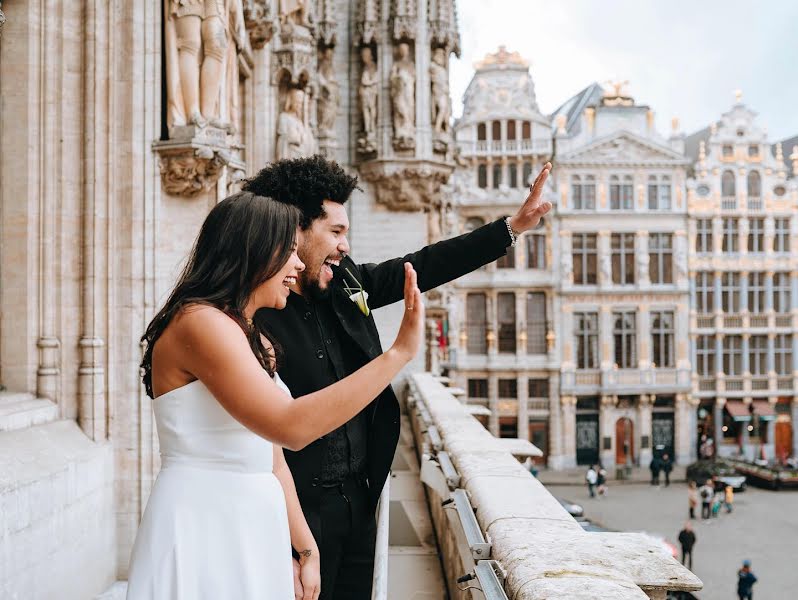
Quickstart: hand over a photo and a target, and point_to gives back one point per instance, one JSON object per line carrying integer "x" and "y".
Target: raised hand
{"x": 411, "y": 331}
{"x": 533, "y": 209}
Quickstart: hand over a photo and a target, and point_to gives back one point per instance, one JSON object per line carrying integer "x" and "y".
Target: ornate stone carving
{"x": 259, "y": 22}
{"x": 2, "y": 18}
{"x": 294, "y": 137}
{"x": 327, "y": 23}
{"x": 441, "y": 102}
{"x": 443, "y": 29}
{"x": 404, "y": 14}
{"x": 367, "y": 93}
{"x": 368, "y": 22}
{"x": 410, "y": 188}
{"x": 329, "y": 94}
{"x": 295, "y": 59}
{"x": 214, "y": 33}
{"x": 296, "y": 12}
{"x": 403, "y": 99}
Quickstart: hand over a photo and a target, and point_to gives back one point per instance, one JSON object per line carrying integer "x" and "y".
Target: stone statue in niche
{"x": 295, "y": 12}
{"x": 294, "y": 137}
{"x": 403, "y": 99}
{"x": 202, "y": 39}
{"x": 367, "y": 93}
{"x": 441, "y": 104}
{"x": 329, "y": 94}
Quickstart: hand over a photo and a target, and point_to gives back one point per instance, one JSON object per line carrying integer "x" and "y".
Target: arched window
{"x": 754, "y": 184}
{"x": 510, "y": 130}
{"x": 482, "y": 132}
{"x": 527, "y": 174}
{"x": 482, "y": 176}
{"x": 497, "y": 175}
{"x": 496, "y": 130}
{"x": 727, "y": 185}
{"x": 513, "y": 175}
{"x": 526, "y": 130}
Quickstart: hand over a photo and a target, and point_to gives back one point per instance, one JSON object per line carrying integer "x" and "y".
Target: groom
{"x": 324, "y": 335}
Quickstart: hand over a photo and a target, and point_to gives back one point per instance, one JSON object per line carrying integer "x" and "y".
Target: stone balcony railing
{"x": 501, "y": 532}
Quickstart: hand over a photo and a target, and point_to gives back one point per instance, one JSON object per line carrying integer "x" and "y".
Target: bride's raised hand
{"x": 411, "y": 332}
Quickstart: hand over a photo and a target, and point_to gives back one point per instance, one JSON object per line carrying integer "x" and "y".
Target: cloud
{"x": 683, "y": 58}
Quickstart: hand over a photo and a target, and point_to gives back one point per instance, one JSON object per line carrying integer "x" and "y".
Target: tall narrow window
{"x": 506, "y": 321}
{"x": 660, "y": 257}
{"x": 705, "y": 355}
{"x": 621, "y": 192}
{"x": 508, "y": 388}
{"x": 625, "y": 338}
{"x": 497, "y": 175}
{"x": 623, "y": 258}
{"x": 754, "y": 184}
{"x": 758, "y": 354}
{"x": 733, "y": 355}
{"x": 728, "y": 188}
{"x": 536, "y": 250}
{"x": 584, "y": 258}
{"x": 482, "y": 176}
{"x": 511, "y": 130}
{"x": 583, "y": 192}
{"x": 482, "y": 132}
{"x": 783, "y": 350}
{"x": 659, "y": 192}
{"x": 526, "y": 130}
{"x": 496, "y": 131}
{"x": 781, "y": 238}
{"x": 731, "y": 241}
{"x": 538, "y": 388}
{"x": 477, "y": 388}
{"x": 536, "y": 323}
{"x": 703, "y": 238}
{"x": 705, "y": 292}
{"x": 586, "y": 340}
{"x": 730, "y": 292}
{"x": 513, "y": 171}
{"x": 781, "y": 292}
{"x": 756, "y": 292}
{"x": 662, "y": 331}
{"x": 508, "y": 260}
{"x": 756, "y": 235}
{"x": 476, "y": 324}
{"x": 526, "y": 176}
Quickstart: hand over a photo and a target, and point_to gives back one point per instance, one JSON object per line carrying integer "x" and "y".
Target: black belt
{"x": 359, "y": 480}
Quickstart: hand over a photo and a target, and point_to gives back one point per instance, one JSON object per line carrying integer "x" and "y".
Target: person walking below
{"x": 692, "y": 498}
{"x": 728, "y": 499}
{"x": 666, "y": 464}
{"x": 687, "y": 540}
{"x": 655, "y": 467}
{"x": 745, "y": 582}
{"x": 591, "y": 477}
{"x": 601, "y": 480}
{"x": 706, "y": 492}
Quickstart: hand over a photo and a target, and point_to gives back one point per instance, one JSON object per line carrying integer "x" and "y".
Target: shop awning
{"x": 738, "y": 410}
{"x": 764, "y": 410}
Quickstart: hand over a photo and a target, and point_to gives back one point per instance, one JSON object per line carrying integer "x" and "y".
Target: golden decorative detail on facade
{"x": 502, "y": 59}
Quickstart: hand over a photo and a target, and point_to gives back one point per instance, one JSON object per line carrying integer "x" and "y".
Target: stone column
{"x": 769, "y": 233}
{"x": 685, "y": 428}
{"x": 746, "y": 356}
{"x": 643, "y": 330}
{"x": 493, "y": 404}
{"x": 568, "y": 404}
{"x": 642, "y": 259}
{"x": 521, "y": 325}
{"x": 717, "y": 417}
{"x": 604, "y": 259}
{"x": 644, "y": 418}
{"x": 794, "y": 416}
{"x": 743, "y": 236}
{"x": 523, "y": 408}
{"x": 607, "y": 429}
{"x": 607, "y": 357}
{"x": 565, "y": 253}
{"x": 744, "y": 291}
{"x": 556, "y": 441}
{"x": 717, "y": 235}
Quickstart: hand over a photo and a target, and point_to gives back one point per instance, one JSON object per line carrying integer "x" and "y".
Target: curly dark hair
{"x": 305, "y": 183}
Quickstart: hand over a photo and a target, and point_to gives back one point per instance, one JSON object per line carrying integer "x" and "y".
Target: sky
{"x": 682, "y": 58}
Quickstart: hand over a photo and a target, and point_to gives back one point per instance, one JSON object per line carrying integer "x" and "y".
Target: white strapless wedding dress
{"x": 215, "y": 526}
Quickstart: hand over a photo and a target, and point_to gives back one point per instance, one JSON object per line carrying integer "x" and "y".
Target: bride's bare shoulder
{"x": 203, "y": 319}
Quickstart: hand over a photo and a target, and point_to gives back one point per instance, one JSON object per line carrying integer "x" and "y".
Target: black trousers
{"x": 348, "y": 540}
{"x": 706, "y": 511}
{"x": 687, "y": 557}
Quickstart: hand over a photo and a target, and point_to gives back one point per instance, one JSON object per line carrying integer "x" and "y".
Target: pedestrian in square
{"x": 687, "y": 540}
{"x": 667, "y": 466}
{"x": 728, "y": 499}
{"x": 591, "y": 477}
{"x": 601, "y": 480}
{"x": 655, "y": 467}
{"x": 692, "y": 498}
{"x": 745, "y": 582}
{"x": 707, "y": 491}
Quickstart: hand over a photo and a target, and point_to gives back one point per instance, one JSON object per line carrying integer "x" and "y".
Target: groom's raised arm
{"x": 449, "y": 259}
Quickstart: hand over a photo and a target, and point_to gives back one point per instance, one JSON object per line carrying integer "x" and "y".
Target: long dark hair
{"x": 245, "y": 240}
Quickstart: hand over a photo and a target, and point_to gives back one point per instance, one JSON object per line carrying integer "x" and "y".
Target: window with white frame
{"x": 497, "y": 175}
{"x": 586, "y": 339}
{"x": 756, "y": 235}
{"x": 781, "y": 237}
{"x": 513, "y": 172}
{"x": 622, "y": 246}
{"x": 476, "y": 323}
{"x": 526, "y": 174}
{"x": 703, "y": 236}
{"x": 659, "y": 192}
{"x": 660, "y": 257}
{"x": 625, "y": 339}
{"x": 705, "y": 292}
{"x": 536, "y": 323}
{"x": 728, "y": 186}
{"x": 621, "y": 192}
{"x": 585, "y": 258}
{"x": 482, "y": 176}
{"x": 505, "y": 317}
{"x": 754, "y": 184}
{"x": 758, "y": 354}
{"x": 730, "y": 292}
{"x": 536, "y": 250}
{"x": 756, "y": 292}
{"x": 733, "y": 355}
{"x": 731, "y": 240}
{"x": 705, "y": 355}
{"x": 583, "y": 192}
{"x": 783, "y": 353}
{"x": 662, "y": 332}
{"x": 781, "y": 292}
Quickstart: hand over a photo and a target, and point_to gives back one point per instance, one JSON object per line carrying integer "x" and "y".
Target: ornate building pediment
{"x": 623, "y": 148}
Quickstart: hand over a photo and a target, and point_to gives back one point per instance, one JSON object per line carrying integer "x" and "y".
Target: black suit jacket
{"x": 384, "y": 282}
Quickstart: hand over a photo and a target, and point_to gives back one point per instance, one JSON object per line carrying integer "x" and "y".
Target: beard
{"x": 312, "y": 288}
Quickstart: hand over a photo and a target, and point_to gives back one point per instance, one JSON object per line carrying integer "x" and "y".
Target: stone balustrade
{"x": 542, "y": 550}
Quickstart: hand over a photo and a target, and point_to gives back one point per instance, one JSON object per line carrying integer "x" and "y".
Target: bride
{"x": 223, "y": 518}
